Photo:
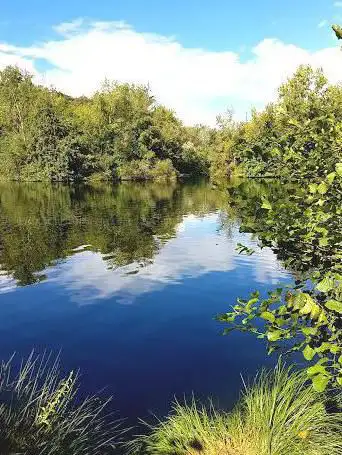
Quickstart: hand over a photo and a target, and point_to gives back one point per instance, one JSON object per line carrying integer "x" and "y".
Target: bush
{"x": 163, "y": 170}
{"x": 279, "y": 414}
{"x": 134, "y": 170}
{"x": 147, "y": 170}
{"x": 39, "y": 414}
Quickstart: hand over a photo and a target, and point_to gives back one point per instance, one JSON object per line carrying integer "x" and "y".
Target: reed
{"x": 39, "y": 412}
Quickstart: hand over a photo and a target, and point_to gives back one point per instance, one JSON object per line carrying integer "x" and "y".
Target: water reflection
{"x": 123, "y": 240}
{"x": 127, "y": 223}
{"x": 126, "y": 280}
{"x": 197, "y": 248}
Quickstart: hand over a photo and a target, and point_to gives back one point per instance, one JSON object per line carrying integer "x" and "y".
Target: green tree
{"x": 118, "y": 132}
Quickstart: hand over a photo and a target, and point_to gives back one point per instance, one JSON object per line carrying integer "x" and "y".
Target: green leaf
{"x": 331, "y": 177}
{"x": 228, "y": 317}
{"x": 310, "y": 306}
{"x": 322, "y": 188}
{"x": 266, "y": 205}
{"x": 252, "y": 301}
{"x": 268, "y": 316}
{"x": 308, "y": 352}
{"x": 325, "y": 346}
{"x": 320, "y": 382}
{"x": 338, "y": 31}
{"x": 338, "y": 168}
{"x": 325, "y": 285}
{"x": 334, "y": 349}
{"x": 309, "y": 331}
{"x": 323, "y": 360}
{"x": 312, "y": 188}
{"x": 300, "y": 301}
{"x": 274, "y": 335}
{"x": 323, "y": 242}
{"x": 334, "y": 305}
{"x": 316, "y": 369}
{"x": 242, "y": 249}
{"x": 322, "y": 319}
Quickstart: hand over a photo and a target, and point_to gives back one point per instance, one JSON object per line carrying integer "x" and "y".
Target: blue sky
{"x": 214, "y": 24}
{"x": 222, "y": 29}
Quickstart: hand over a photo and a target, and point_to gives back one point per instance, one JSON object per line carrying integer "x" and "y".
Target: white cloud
{"x": 67, "y": 28}
{"x": 7, "y": 283}
{"x": 8, "y": 56}
{"x": 322, "y": 24}
{"x": 196, "y": 83}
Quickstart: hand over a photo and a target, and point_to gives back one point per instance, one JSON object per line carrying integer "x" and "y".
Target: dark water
{"x": 126, "y": 280}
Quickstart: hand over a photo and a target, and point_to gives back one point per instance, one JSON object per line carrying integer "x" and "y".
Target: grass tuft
{"x": 278, "y": 414}
{"x": 39, "y": 413}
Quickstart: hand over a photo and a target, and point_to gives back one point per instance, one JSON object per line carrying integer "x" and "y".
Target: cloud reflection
{"x": 197, "y": 249}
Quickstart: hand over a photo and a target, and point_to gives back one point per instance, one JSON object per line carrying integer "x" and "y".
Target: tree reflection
{"x": 41, "y": 223}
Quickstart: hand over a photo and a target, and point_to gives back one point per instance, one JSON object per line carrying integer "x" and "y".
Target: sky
{"x": 199, "y": 57}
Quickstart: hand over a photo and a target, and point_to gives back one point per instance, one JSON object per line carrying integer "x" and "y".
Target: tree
{"x": 45, "y": 135}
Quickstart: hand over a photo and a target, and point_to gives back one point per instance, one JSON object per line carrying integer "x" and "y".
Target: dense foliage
{"x": 303, "y": 227}
{"x": 299, "y": 135}
{"x": 120, "y": 132}
{"x": 298, "y": 138}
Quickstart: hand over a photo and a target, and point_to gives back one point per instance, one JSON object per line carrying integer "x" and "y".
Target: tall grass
{"x": 39, "y": 413}
{"x": 278, "y": 414}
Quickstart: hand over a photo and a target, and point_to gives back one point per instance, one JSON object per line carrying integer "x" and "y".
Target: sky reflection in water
{"x": 145, "y": 330}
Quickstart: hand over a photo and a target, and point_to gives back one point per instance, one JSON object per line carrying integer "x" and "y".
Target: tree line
{"x": 118, "y": 133}
{"x": 121, "y": 132}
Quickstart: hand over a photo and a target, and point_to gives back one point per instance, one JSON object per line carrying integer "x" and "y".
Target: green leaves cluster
{"x": 298, "y": 139}
{"x": 338, "y": 31}
{"x": 297, "y": 321}
{"x": 300, "y": 134}
{"x": 303, "y": 226}
{"x": 46, "y": 135}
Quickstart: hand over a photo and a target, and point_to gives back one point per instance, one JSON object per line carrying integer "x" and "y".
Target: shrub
{"x": 134, "y": 170}
{"x": 279, "y": 414}
{"x": 163, "y": 170}
{"x": 159, "y": 170}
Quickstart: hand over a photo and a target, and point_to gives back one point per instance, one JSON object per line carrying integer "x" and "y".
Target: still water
{"x": 126, "y": 280}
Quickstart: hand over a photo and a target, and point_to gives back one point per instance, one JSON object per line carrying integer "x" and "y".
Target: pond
{"x": 125, "y": 280}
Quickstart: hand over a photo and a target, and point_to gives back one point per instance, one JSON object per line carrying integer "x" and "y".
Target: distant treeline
{"x": 121, "y": 132}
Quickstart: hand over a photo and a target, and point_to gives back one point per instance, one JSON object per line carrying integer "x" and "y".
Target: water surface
{"x": 126, "y": 281}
